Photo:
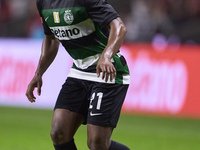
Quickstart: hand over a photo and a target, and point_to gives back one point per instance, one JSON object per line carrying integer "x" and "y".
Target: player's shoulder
{"x": 43, "y": 4}
{"x": 94, "y": 2}
{"x": 39, "y": 4}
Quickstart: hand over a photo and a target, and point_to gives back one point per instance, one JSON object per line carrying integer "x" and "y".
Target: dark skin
{"x": 65, "y": 123}
{"x": 50, "y": 47}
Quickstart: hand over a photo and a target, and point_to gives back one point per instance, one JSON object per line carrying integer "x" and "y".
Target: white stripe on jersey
{"x": 76, "y": 31}
{"x": 93, "y": 77}
{"x": 88, "y": 61}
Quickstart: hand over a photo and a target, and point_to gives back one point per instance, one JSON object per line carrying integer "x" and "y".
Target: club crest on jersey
{"x": 68, "y": 17}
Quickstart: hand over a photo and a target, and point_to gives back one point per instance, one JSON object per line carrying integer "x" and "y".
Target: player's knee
{"x": 57, "y": 135}
{"x": 97, "y": 143}
{"x": 117, "y": 146}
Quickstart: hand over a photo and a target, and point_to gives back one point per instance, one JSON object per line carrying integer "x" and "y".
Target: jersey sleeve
{"x": 47, "y": 30}
{"x": 100, "y": 11}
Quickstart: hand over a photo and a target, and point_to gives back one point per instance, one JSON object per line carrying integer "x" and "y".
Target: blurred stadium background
{"x": 161, "y": 110}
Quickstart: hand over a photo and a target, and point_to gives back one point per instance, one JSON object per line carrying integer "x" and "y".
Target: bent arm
{"x": 115, "y": 40}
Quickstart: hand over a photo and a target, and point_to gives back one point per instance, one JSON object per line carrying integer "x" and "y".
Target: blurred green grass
{"x": 28, "y": 129}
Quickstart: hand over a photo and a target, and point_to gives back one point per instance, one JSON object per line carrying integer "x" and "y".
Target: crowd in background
{"x": 20, "y": 18}
{"x": 177, "y": 21}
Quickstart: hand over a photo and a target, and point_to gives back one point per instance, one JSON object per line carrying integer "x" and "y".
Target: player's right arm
{"x": 49, "y": 51}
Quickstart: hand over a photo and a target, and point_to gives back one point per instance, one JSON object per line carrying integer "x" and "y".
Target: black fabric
{"x": 105, "y": 110}
{"x": 117, "y": 146}
{"x": 99, "y": 103}
{"x": 67, "y": 146}
{"x": 81, "y": 42}
{"x": 73, "y": 96}
{"x": 47, "y": 30}
{"x": 56, "y": 4}
{"x": 123, "y": 60}
{"x": 100, "y": 11}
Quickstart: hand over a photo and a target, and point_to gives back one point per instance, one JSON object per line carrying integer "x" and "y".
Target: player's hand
{"x": 35, "y": 82}
{"x": 108, "y": 70}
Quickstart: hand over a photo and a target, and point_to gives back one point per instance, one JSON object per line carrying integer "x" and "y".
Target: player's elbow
{"x": 122, "y": 30}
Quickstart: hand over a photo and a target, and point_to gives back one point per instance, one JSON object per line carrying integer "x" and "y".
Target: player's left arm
{"x": 115, "y": 40}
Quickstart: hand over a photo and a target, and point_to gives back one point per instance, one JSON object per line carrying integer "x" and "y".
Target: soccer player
{"x": 91, "y": 32}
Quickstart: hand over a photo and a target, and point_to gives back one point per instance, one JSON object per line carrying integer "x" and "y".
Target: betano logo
{"x": 74, "y": 31}
{"x": 157, "y": 86}
{"x": 65, "y": 33}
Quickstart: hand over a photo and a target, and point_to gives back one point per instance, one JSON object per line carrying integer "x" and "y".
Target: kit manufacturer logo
{"x": 68, "y": 17}
{"x": 95, "y": 114}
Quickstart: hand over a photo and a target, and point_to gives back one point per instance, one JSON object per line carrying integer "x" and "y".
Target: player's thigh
{"x": 73, "y": 97}
{"x": 105, "y": 104}
{"x": 66, "y": 122}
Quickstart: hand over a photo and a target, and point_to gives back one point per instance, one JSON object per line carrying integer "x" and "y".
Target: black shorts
{"x": 99, "y": 103}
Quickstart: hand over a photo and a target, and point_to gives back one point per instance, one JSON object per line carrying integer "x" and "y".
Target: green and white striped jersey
{"x": 80, "y": 25}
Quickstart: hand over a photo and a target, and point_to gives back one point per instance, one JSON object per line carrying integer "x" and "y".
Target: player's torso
{"x": 68, "y": 20}
{"x": 70, "y": 23}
